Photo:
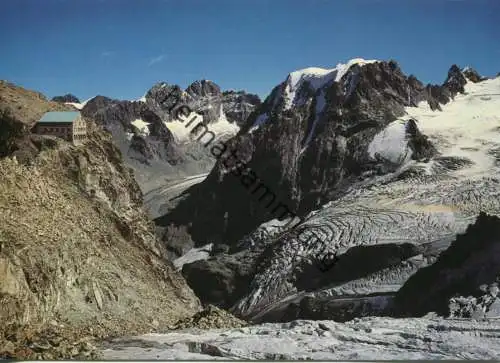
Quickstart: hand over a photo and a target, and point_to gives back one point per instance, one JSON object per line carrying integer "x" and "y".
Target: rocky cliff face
{"x": 239, "y": 105}
{"x": 314, "y": 135}
{"x": 464, "y": 281}
{"x": 140, "y": 132}
{"x": 76, "y": 247}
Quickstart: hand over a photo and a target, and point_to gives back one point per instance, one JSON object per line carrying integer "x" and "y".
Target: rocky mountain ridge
{"x": 154, "y": 142}
{"x": 313, "y": 117}
{"x": 404, "y": 187}
{"x": 67, "y": 98}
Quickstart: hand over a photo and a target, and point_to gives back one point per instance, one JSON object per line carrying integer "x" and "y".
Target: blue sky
{"x": 120, "y": 48}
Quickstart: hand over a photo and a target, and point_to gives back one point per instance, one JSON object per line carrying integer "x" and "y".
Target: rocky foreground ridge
{"x": 78, "y": 255}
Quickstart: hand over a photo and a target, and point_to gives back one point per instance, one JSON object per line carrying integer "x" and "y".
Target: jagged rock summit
{"x": 154, "y": 142}
{"x": 472, "y": 75}
{"x": 67, "y": 98}
{"x": 205, "y": 98}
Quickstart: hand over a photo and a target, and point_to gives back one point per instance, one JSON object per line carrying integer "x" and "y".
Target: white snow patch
{"x": 391, "y": 143}
{"x": 223, "y": 126}
{"x": 194, "y": 254}
{"x": 142, "y": 126}
{"x": 78, "y": 106}
{"x": 181, "y": 129}
{"x": 260, "y": 120}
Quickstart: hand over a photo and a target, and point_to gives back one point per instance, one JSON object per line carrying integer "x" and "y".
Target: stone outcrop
{"x": 473, "y": 75}
{"x": 210, "y": 318}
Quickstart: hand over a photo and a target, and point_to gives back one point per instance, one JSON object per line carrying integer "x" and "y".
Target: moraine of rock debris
{"x": 53, "y": 343}
{"x": 210, "y": 318}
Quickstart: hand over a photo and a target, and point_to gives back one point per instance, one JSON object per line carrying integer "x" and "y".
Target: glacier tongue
{"x": 360, "y": 339}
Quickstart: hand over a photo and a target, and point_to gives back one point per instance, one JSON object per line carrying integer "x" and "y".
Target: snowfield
{"x": 141, "y": 126}
{"x": 391, "y": 144}
{"x": 468, "y": 127}
{"x": 78, "y": 106}
{"x": 181, "y": 128}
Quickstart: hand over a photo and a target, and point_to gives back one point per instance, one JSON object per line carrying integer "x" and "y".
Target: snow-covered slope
{"x": 78, "y": 106}
{"x": 185, "y": 131}
{"x": 391, "y": 144}
{"x": 468, "y": 127}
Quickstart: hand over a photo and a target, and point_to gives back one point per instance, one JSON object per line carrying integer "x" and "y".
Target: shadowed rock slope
{"x": 465, "y": 277}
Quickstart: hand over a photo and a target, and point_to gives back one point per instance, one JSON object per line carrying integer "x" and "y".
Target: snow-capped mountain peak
{"x": 316, "y": 78}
